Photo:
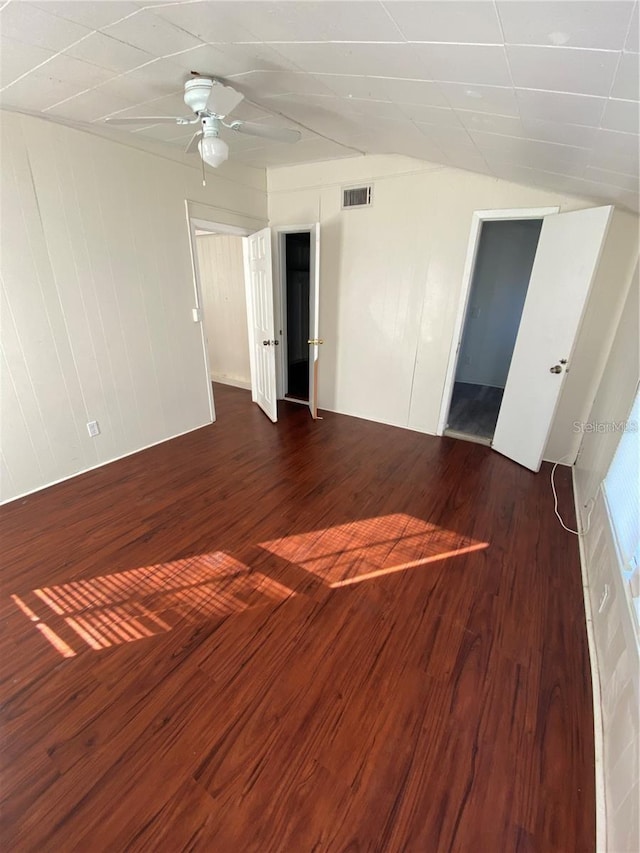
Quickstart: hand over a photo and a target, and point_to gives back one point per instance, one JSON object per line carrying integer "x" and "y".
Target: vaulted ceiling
{"x": 543, "y": 93}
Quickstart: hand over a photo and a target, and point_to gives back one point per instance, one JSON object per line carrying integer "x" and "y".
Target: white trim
{"x": 516, "y": 213}
{"x": 218, "y": 228}
{"x": 102, "y": 464}
{"x": 598, "y": 723}
{"x": 371, "y": 420}
{"x": 280, "y": 301}
{"x": 195, "y": 272}
{"x": 249, "y": 301}
{"x": 479, "y": 216}
{"x": 212, "y": 213}
{"x": 235, "y": 383}
{"x": 293, "y": 229}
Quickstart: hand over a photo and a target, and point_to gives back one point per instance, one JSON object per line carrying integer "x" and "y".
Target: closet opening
{"x": 296, "y": 279}
{"x": 500, "y": 279}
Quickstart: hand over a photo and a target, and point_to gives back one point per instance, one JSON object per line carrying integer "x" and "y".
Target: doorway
{"x": 500, "y": 279}
{"x": 224, "y": 307}
{"x": 567, "y": 255}
{"x": 220, "y": 302}
{"x": 284, "y": 316}
{"x": 297, "y": 280}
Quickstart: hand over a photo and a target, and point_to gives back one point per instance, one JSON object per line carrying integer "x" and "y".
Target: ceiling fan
{"x": 212, "y": 101}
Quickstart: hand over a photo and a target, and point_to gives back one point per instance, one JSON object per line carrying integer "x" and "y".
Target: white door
{"x": 565, "y": 263}
{"x": 262, "y": 341}
{"x": 314, "y": 314}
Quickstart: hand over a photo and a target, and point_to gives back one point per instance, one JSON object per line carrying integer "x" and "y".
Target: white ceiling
{"x": 543, "y": 93}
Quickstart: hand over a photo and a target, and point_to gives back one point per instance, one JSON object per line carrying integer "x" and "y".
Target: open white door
{"x": 262, "y": 341}
{"x": 314, "y": 313}
{"x": 565, "y": 263}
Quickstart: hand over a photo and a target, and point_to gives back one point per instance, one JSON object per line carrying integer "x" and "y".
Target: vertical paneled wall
{"x": 97, "y": 292}
{"x": 225, "y": 307}
{"x": 616, "y": 642}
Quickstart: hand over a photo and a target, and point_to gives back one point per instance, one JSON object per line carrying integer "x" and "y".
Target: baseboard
{"x": 236, "y": 383}
{"x": 598, "y": 731}
{"x": 101, "y": 464}
{"x": 361, "y": 417}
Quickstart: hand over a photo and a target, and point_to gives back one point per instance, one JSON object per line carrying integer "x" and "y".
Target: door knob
{"x": 315, "y": 341}
{"x": 555, "y": 369}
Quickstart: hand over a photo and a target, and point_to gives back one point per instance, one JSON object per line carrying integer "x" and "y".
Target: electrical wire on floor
{"x": 555, "y": 503}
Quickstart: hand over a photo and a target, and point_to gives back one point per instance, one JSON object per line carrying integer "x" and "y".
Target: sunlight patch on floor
{"x": 123, "y": 607}
{"x": 371, "y": 547}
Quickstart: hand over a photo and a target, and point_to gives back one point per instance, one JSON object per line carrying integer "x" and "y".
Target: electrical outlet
{"x": 93, "y": 429}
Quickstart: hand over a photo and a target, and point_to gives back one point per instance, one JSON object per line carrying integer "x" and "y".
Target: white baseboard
{"x": 236, "y": 383}
{"x": 598, "y": 730}
{"x": 101, "y": 464}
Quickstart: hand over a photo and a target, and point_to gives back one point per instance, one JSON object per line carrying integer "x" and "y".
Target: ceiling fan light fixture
{"x": 213, "y": 150}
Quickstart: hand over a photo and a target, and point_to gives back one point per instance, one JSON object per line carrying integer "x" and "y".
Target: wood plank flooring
{"x": 329, "y": 636}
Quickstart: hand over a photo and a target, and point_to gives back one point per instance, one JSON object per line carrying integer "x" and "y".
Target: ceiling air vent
{"x": 356, "y": 196}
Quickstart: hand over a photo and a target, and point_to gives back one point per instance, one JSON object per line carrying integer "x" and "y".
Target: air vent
{"x": 356, "y": 196}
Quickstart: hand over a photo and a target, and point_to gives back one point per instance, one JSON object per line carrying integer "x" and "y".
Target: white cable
{"x": 555, "y": 503}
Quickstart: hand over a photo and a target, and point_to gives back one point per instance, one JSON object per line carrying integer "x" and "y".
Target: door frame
{"x": 280, "y": 296}
{"x": 478, "y": 217}
{"x": 193, "y": 223}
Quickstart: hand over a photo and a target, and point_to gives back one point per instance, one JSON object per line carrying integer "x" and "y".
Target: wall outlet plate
{"x": 93, "y": 429}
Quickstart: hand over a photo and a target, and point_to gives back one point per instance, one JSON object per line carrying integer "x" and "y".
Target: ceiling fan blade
{"x": 279, "y": 134}
{"x": 223, "y": 99}
{"x": 193, "y": 143}
{"x": 148, "y": 120}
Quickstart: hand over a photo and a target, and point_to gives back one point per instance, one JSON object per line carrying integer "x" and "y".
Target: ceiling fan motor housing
{"x": 196, "y": 93}
{"x": 210, "y": 125}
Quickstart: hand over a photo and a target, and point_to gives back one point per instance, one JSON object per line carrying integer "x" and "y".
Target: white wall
{"x": 97, "y": 297}
{"x": 391, "y": 278}
{"x": 616, "y": 645}
{"x": 225, "y": 307}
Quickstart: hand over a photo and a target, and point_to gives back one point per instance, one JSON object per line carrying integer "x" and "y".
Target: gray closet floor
{"x": 474, "y": 409}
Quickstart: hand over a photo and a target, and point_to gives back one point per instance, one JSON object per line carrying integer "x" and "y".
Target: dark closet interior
{"x": 297, "y": 253}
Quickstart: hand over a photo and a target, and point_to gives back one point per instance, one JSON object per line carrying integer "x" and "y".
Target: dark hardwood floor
{"x": 329, "y": 636}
